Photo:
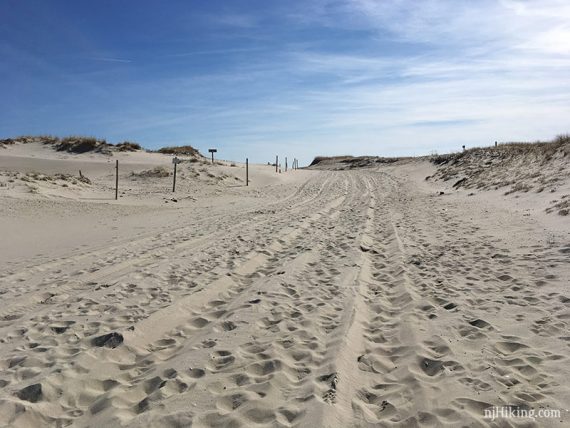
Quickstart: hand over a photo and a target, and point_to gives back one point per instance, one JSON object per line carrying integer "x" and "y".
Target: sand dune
{"x": 311, "y": 298}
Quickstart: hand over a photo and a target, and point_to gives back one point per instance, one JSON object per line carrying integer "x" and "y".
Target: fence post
{"x": 246, "y": 171}
{"x": 276, "y": 163}
{"x": 174, "y": 179}
{"x": 117, "y": 179}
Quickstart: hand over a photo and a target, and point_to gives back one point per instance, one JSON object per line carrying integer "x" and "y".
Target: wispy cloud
{"x": 108, "y": 59}
{"x": 339, "y": 76}
{"x": 238, "y": 20}
{"x": 215, "y": 52}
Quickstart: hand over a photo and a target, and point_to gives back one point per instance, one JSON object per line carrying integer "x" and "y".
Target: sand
{"x": 361, "y": 298}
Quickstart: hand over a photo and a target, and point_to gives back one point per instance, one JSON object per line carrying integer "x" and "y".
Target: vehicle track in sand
{"x": 354, "y": 301}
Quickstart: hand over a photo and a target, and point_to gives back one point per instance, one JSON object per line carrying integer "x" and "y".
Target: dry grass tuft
{"x": 128, "y": 146}
{"x": 180, "y": 150}
{"x": 74, "y": 143}
{"x": 79, "y": 144}
{"x": 523, "y": 167}
{"x": 157, "y": 172}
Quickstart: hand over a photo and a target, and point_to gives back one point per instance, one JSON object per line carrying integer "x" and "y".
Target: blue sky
{"x": 294, "y": 78}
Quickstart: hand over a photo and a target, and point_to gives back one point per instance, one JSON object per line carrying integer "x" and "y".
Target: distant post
{"x": 463, "y": 147}
{"x": 495, "y": 144}
{"x": 212, "y": 151}
{"x": 276, "y": 163}
{"x": 285, "y": 163}
{"x": 246, "y": 171}
{"x": 175, "y": 161}
{"x": 117, "y": 179}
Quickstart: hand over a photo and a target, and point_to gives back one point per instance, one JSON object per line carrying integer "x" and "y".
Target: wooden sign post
{"x": 117, "y": 179}
{"x": 276, "y": 163}
{"x": 246, "y": 171}
{"x": 212, "y": 151}
{"x": 175, "y": 161}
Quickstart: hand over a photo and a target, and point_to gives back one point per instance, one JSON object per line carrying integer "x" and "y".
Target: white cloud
{"x": 466, "y": 73}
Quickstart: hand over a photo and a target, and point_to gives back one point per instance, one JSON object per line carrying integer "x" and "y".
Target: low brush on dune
{"x": 180, "y": 150}
{"x": 523, "y": 167}
{"x": 76, "y": 144}
{"x": 349, "y": 162}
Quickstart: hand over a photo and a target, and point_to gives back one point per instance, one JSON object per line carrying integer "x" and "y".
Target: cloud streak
{"x": 334, "y": 77}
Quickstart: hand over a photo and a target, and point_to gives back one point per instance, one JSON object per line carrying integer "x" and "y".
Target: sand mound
{"x": 128, "y": 146}
{"x": 83, "y": 145}
{"x": 349, "y": 162}
{"x": 74, "y": 144}
{"x": 42, "y": 184}
{"x": 157, "y": 172}
{"x": 6, "y": 142}
{"x": 511, "y": 168}
{"x": 180, "y": 150}
{"x": 523, "y": 167}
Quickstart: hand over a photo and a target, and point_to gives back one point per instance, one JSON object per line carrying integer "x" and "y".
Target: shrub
{"x": 157, "y": 172}
{"x": 179, "y": 150}
{"x": 128, "y": 146}
{"x": 78, "y": 144}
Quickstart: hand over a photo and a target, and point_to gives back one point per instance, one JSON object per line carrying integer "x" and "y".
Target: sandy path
{"x": 356, "y": 300}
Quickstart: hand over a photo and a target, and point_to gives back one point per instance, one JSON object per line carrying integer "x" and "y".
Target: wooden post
{"x": 212, "y": 151}
{"x": 246, "y": 172}
{"x": 276, "y": 163}
{"x": 174, "y": 180}
{"x": 285, "y": 163}
{"x": 117, "y": 179}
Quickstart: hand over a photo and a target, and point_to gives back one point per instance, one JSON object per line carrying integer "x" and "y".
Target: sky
{"x": 295, "y": 78}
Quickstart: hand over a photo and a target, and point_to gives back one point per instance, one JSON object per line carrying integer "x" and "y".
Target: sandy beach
{"x": 380, "y": 295}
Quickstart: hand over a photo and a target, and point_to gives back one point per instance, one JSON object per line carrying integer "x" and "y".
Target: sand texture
{"x": 370, "y": 297}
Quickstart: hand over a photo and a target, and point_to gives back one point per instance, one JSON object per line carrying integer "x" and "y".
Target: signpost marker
{"x": 212, "y": 151}
{"x": 117, "y": 179}
{"x": 276, "y": 163}
{"x": 246, "y": 171}
{"x": 175, "y": 161}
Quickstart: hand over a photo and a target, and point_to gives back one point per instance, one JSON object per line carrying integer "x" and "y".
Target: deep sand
{"x": 310, "y": 298}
